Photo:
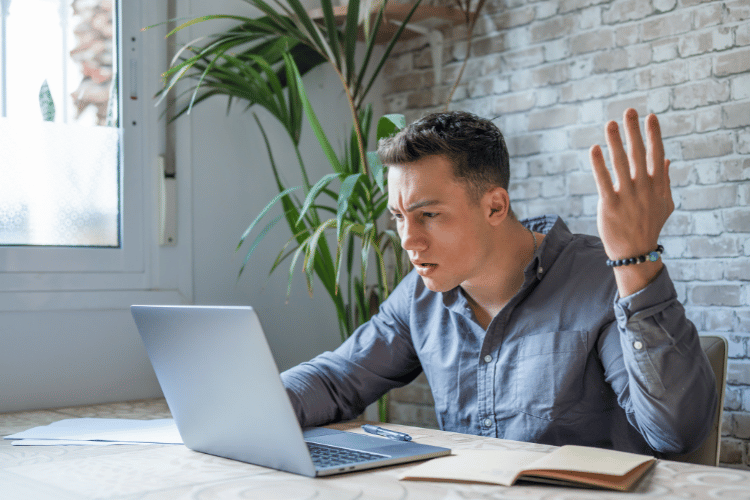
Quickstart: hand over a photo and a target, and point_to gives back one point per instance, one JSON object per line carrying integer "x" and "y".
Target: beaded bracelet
{"x": 649, "y": 257}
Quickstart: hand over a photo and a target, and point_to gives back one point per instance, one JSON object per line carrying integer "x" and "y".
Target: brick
{"x": 743, "y": 318}
{"x": 665, "y": 49}
{"x": 566, "y": 207}
{"x": 619, "y": 59}
{"x": 738, "y": 372}
{"x": 738, "y": 345}
{"x": 672, "y": 24}
{"x": 581, "y": 68}
{"x": 743, "y": 141}
{"x": 489, "y": 45}
{"x": 664, "y": 5}
{"x": 707, "y": 223}
{"x": 626, "y": 10}
{"x": 581, "y": 183}
{"x": 556, "y": 51}
{"x": 736, "y": 115}
{"x": 551, "y": 74}
{"x": 737, "y": 10}
{"x": 523, "y": 145}
{"x": 592, "y": 112}
{"x": 626, "y": 35}
{"x": 708, "y": 15}
{"x": 569, "y": 5}
{"x": 716, "y": 295}
{"x": 735, "y": 170}
{"x": 520, "y": 80}
{"x": 741, "y": 427}
{"x": 707, "y": 146}
{"x": 700, "y": 68}
{"x": 732, "y": 399}
{"x": 615, "y": 109}
{"x": 524, "y": 58}
{"x": 513, "y": 103}
{"x": 524, "y": 190}
{"x": 554, "y": 141}
{"x": 707, "y": 119}
{"x": 590, "y": 88}
{"x": 662, "y": 75}
{"x": 731, "y": 451}
{"x": 706, "y": 41}
{"x": 705, "y": 247}
{"x": 585, "y": 137}
{"x": 592, "y": 41}
{"x": 553, "y": 187}
{"x": 742, "y": 35}
{"x": 737, "y": 270}
{"x": 678, "y": 224}
{"x": 737, "y": 220}
{"x": 551, "y": 29}
{"x": 721, "y": 320}
{"x": 693, "y": 95}
{"x": 732, "y": 63}
{"x": 726, "y": 426}
{"x": 552, "y": 118}
{"x": 513, "y": 18}
{"x": 547, "y": 97}
{"x": 545, "y": 10}
{"x": 590, "y": 18}
{"x": 677, "y": 124}
{"x": 553, "y": 164}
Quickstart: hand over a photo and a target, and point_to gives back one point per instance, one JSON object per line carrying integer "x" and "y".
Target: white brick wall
{"x": 553, "y": 72}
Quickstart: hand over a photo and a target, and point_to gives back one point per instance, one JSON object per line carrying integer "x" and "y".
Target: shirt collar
{"x": 557, "y": 236}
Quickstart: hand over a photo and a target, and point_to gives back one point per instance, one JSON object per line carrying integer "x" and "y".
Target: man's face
{"x": 443, "y": 231}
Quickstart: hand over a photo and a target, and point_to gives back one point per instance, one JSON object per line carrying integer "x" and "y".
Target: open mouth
{"x": 425, "y": 265}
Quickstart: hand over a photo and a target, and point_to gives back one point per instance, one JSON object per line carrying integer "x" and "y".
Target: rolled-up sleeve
{"x": 378, "y": 357}
{"x": 653, "y": 359}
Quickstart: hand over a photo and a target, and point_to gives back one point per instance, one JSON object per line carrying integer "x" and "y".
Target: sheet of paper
{"x": 68, "y": 442}
{"x": 120, "y": 430}
{"x": 486, "y": 466}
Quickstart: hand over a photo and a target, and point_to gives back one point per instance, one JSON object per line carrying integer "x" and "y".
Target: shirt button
{"x": 487, "y": 422}
{"x": 487, "y": 358}
{"x": 638, "y": 345}
{"x": 540, "y": 270}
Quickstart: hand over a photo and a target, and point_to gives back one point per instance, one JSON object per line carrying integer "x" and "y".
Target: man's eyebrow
{"x": 416, "y": 205}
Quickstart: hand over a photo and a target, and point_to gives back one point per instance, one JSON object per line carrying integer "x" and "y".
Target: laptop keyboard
{"x": 331, "y": 456}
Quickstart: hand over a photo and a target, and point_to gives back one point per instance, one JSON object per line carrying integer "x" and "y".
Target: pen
{"x": 374, "y": 429}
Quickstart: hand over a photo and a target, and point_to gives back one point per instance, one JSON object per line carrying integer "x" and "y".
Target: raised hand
{"x": 632, "y": 210}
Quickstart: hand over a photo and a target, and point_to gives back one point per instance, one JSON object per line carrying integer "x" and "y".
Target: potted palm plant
{"x": 261, "y": 61}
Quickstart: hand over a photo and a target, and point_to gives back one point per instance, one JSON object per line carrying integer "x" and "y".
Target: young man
{"x": 524, "y": 330}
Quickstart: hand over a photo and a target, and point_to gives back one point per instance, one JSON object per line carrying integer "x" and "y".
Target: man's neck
{"x": 504, "y": 272}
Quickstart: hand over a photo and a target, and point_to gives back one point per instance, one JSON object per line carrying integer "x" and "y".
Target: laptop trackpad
{"x": 353, "y": 440}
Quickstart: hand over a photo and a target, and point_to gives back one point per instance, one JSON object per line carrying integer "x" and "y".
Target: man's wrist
{"x": 633, "y": 279}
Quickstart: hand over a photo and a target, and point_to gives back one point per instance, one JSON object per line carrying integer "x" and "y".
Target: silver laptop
{"x": 224, "y": 391}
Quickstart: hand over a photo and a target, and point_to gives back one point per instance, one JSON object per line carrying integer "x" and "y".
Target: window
{"x": 81, "y": 140}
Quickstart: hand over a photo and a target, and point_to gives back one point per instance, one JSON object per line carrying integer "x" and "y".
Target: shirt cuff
{"x": 655, "y": 297}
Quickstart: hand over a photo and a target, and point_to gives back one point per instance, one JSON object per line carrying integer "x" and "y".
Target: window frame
{"x": 55, "y": 277}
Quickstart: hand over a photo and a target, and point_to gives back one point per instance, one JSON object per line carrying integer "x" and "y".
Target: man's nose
{"x": 412, "y": 237}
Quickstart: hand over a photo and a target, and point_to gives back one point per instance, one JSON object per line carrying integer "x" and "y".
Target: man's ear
{"x": 496, "y": 205}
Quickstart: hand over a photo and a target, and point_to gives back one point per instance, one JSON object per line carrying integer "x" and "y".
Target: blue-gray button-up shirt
{"x": 566, "y": 361}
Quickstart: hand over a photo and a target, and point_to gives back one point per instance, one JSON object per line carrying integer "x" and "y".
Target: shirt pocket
{"x": 550, "y": 373}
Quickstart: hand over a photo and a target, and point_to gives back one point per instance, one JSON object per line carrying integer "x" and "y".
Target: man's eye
{"x": 429, "y": 215}
{"x": 396, "y": 217}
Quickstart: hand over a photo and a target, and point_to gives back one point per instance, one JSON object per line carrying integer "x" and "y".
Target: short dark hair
{"x": 474, "y": 145}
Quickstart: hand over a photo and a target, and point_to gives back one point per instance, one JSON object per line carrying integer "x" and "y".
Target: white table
{"x": 174, "y": 472}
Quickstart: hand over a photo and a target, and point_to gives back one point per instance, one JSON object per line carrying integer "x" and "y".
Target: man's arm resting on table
{"x": 663, "y": 379}
{"x": 378, "y": 357}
